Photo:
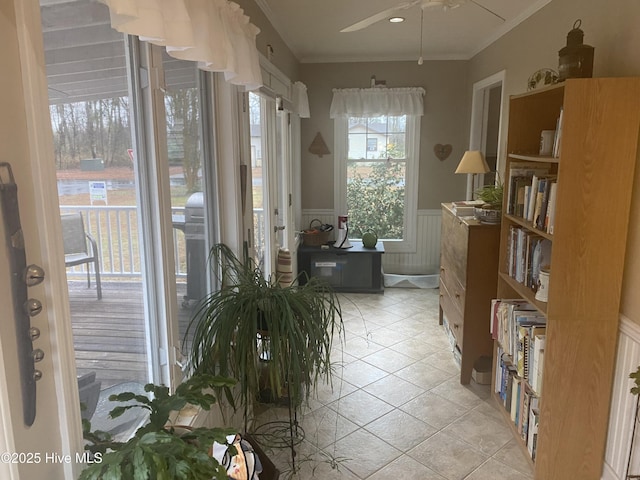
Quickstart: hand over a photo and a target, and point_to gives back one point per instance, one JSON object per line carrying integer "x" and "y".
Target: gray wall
{"x": 446, "y": 121}
{"x": 282, "y": 57}
{"x": 611, "y": 27}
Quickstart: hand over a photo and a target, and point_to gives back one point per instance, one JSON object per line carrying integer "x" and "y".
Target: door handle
{"x": 276, "y": 229}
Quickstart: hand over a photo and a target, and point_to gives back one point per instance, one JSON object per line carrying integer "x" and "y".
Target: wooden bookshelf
{"x": 599, "y": 148}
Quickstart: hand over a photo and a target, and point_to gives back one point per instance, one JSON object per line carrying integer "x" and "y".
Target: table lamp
{"x": 472, "y": 162}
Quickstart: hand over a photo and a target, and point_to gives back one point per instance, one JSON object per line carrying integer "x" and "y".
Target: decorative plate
{"x": 544, "y": 76}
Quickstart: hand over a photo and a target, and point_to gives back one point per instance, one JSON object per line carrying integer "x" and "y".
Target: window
{"x": 377, "y": 171}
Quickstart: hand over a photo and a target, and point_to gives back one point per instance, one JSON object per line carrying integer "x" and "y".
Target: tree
{"x": 375, "y": 198}
{"x": 183, "y": 123}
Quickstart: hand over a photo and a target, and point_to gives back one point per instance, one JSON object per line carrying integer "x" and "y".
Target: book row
{"x": 527, "y": 254}
{"x": 520, "y": 330}
{"x": 519, "y": 400}
{"x": 532, "y": 194}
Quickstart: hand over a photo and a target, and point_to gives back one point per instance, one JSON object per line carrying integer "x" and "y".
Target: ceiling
{"x": 86, "y": 58}
{"x": 311, "y": 29}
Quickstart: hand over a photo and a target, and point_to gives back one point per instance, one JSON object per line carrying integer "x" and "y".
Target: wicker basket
{"x": 316, "y": 234}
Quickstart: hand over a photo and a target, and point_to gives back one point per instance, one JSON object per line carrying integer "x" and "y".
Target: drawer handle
{"x": 457, "y": 295}
{"x": 442, "y": 269}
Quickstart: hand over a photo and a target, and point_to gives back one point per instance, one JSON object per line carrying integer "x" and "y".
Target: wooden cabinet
{"x": 468, "y": 276}
{"x": 595, "y": 170}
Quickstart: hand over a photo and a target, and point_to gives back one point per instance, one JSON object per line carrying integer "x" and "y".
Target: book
{"x": 545, "y": 188}
{"x": 537, "y": 365}
{"x": 465, "y": 208}
{"x": 514, "y": 410}
{"x": 532, "y": 434}
{"x": 558, "y": 135}
{"x": 533, "y": 198}
{"x": 551, "y": 209}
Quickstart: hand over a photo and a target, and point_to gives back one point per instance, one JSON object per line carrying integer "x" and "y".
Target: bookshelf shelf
{"x": 528, "y": 225}
{"x": 534, "y": 158}
{"x": 523, "y": 292}
{"x": 599, "y": 115}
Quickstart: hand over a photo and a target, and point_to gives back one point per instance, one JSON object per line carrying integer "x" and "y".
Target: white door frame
{"x": 479, "y": 119}
{"x": 57, "y": 426}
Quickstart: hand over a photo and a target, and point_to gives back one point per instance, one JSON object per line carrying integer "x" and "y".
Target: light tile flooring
{"x": 397, "y": 409}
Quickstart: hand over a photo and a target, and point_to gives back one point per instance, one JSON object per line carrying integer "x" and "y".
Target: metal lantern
{"x": 576, "y": 59}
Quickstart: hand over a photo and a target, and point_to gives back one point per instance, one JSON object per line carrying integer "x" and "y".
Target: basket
{"x": 316, "y": 235}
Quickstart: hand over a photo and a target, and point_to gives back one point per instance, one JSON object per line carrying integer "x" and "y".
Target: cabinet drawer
{"x": 453, "y": 314}
{"x": 453, "y": 248}
{"x": 456, "y": 292}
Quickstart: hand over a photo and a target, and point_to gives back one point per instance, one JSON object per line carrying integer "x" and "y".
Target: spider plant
{"x": 266, "y": 335}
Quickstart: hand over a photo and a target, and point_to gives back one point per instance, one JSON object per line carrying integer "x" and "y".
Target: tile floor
{"x": 397, "y": 409}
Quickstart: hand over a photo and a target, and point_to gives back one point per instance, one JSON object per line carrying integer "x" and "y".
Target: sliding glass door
{"x": 127, "y": 123}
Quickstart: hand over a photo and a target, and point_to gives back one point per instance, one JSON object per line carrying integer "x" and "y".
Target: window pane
{"x": 357, "y": 144}
{"x": 376, "y": 198}
{"x": 397, "y": 124}
{"x": 396, "y": 146}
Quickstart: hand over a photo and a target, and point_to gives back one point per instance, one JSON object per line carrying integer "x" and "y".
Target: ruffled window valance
{"x": 370, "y": 102}
{"x": 214, "y": 33}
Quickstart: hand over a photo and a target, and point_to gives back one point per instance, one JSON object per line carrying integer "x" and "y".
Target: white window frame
{"x": 341, "y": 147}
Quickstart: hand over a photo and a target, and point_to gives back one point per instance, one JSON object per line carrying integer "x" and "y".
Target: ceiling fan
{"x": 424, "y": 4}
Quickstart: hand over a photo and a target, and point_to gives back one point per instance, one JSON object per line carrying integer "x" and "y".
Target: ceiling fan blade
{"x": 380, "y": 16}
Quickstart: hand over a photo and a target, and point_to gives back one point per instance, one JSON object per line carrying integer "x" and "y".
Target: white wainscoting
{"x": 426, "y": 259}
{"x": 623, "y": 406}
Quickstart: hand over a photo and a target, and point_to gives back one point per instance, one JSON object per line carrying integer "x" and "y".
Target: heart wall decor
{"x": 442, "y": 151}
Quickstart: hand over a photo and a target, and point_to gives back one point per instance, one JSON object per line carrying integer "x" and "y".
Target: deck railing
{"x": 115, "y": 230}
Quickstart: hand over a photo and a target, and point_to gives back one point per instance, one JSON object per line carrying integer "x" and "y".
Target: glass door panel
{"x": 187, "y": 185}
{"x": 258, "y": 125}
{"x": 95, "y": 155}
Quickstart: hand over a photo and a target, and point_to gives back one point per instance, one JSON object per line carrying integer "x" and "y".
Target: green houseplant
{"x": 159, "y": 451}
{"x": 491, "y": 195}
{"x": 268, "y": 336}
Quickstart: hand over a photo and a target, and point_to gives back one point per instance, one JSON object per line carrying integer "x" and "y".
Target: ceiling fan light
{"x": 396, "y": 19}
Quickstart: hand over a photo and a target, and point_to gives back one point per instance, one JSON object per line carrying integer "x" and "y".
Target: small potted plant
{"x": 159, "y": 450}
{"x": 491, "y": 195}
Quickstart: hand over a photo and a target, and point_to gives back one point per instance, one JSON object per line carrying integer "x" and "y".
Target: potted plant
{"x": 158, "y": 450}
{"x": 268, "y": 336}
{"x": 491, "y": 195}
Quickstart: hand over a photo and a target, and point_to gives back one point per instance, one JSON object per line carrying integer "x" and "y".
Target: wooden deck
{"x": 109, "y": 334}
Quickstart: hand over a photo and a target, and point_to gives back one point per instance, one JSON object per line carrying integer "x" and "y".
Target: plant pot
{"x": 488, "y": 215}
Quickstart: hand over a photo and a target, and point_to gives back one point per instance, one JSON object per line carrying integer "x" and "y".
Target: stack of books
{"x": 465, "y": 208}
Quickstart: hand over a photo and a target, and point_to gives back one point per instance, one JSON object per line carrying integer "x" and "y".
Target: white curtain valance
{"x": 214, "y": 33}
{"x": 301, "y": 100}
{"x": 369, "y": 102}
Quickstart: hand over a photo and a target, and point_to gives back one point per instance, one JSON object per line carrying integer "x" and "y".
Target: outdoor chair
{"x": 80, "y": 247}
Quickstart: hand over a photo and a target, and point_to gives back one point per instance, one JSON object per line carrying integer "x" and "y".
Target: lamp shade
{"x": 472, "y": 162}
